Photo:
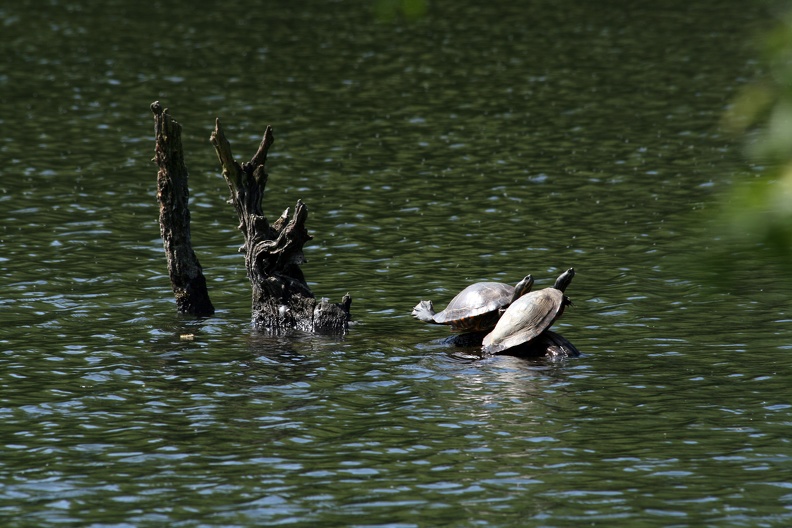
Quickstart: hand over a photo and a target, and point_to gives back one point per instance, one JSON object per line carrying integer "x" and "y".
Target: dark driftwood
{"x": 186, "y": 274}
{"x": 273, "y": 252}
{"x": 547, "y": 344}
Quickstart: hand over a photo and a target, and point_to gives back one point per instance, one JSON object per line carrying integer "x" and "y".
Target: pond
{"x": 478, "y": 141}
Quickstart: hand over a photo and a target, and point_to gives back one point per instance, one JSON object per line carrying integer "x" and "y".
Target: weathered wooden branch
{"x": 273, "y": 252}
{"x": 186, "y": 274}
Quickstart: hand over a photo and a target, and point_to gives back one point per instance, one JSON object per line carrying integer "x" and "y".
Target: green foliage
{"x": 388, "y": 10}
{"x": 760, "y": 211}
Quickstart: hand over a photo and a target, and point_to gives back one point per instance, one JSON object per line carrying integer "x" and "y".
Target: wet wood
{"x": 186, "y": 275}
{"x": 548, "y": 344}
{"x": 273, "y": 252}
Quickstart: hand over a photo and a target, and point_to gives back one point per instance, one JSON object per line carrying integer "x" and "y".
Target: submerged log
{"x": 186, "y": 274}
{"x": 547, "y": 344}
{"x": 273, "y": 252}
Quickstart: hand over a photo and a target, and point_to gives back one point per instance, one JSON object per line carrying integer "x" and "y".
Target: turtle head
{"x": 523, "y": 287}
{"x": 424, "y": 311}
{"x": 564, "y": 279}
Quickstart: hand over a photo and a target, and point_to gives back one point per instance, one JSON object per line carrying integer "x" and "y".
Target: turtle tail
{"x": 424, "y": 311}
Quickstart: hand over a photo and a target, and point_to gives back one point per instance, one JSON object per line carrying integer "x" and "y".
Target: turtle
{"x": 477, "y": 308}
{"x": 529, "y": 316}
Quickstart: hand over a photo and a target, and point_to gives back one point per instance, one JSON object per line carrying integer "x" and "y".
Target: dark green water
{"x": 481, "y": 142}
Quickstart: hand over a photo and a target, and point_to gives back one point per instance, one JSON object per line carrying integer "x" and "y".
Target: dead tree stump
{"x": 186, "y": 274}
{"x": 282, "y": 300}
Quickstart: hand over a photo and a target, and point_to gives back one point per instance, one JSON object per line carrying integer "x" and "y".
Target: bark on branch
{"x": 186, "y": 274}
{"x": 273, "y": 252}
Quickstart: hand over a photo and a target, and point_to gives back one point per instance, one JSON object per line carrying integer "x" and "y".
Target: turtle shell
{"x": 525, "y": 319}
{"x": 476, "y": 308}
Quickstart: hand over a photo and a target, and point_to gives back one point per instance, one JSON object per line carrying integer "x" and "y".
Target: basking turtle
{"x": 529, "y": 316}
{"x": 477, "y": 308}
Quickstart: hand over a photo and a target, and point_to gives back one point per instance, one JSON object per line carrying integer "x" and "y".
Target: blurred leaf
{"x": 760, "y": 212}
{"x": 776, "y": 143}
{"x": 388, "y": 10}
{"x": 757, "y": 213}
{"x": 414, "y": 8}
{"x": 751, "y": 105}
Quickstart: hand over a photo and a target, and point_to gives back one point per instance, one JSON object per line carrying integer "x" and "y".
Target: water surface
{"x": 480, "y": 142}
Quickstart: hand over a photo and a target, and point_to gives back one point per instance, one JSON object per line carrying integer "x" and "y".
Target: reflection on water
{"x": 481, "y": 142}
